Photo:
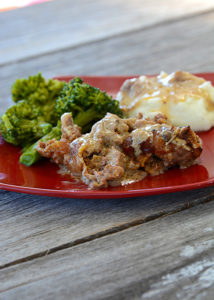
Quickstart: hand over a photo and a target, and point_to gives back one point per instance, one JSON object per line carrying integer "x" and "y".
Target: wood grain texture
{"x": 169, "y": 258}
{"x": 34, "y": 225}
{"x": 157, "y": 247}
{"x": 56, "y": 25}
{"x": 184, "y": 44}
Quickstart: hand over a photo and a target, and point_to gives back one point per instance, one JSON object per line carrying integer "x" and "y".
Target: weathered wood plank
{"x": 32, "y": 225}
{"x": 169, "y": 258}
{"x": 28, "y": 226}
{"x": 184, "y": 45}
{"x": 61, "y": 24}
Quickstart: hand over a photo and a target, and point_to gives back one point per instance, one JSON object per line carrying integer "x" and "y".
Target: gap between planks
{"x": 128, "y": 32}
{"x": 106, "y": 232}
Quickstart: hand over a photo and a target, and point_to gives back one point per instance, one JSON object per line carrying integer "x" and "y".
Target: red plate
{"x": 43, "y": 179}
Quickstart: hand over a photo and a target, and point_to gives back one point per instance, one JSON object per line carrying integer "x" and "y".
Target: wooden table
{"x": 159, "y": 247}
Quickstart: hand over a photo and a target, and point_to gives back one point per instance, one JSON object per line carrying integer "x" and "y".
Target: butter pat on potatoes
{"x": 185, "y": 99}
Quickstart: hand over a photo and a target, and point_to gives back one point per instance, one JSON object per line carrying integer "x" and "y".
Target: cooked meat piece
{"x": 118, "y": 151}
{"x": 70, "y": 131}
{"x": 57, "y": 150}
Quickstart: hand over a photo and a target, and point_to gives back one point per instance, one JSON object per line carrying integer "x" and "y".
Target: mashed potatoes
{"x": 184, "y": 98}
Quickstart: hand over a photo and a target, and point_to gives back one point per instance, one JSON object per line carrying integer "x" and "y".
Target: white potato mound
{"x": 185, "y": 99}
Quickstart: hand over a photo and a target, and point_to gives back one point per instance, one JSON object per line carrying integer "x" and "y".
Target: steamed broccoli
{"x": 39, "y": 106}
{"x": 86, "y": 103}
{"x": 30, "y": 154}
{"x": 23, "y": 123}
{"x": 34, "y": 113}
{"x": 40, "y": 93}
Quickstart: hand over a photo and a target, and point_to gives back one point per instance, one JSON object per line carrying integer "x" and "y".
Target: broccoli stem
{"x": 30, "y": 155}
{"x": 85, "y": 117}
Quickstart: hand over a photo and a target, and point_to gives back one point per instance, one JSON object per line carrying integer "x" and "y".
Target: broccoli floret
{"x": 86, "y": 103}
{"x": 39, "y": 92}
{"x": 34, "y": 113}
{"x": 23, "y": 123}
{"x": 30, "y": 154}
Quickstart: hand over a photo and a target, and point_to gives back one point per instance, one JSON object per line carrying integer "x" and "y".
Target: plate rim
{"x": 98, "y": 194}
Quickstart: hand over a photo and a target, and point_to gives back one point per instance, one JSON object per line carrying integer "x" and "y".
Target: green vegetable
{"x": 40, "y": 93}
{"x": 39, "y": 106}
{"x": 30, "y": 154}
{"x": 86, "y": 103}
{"x": 22, "y": 123}
{"x": 34, "y": 113}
